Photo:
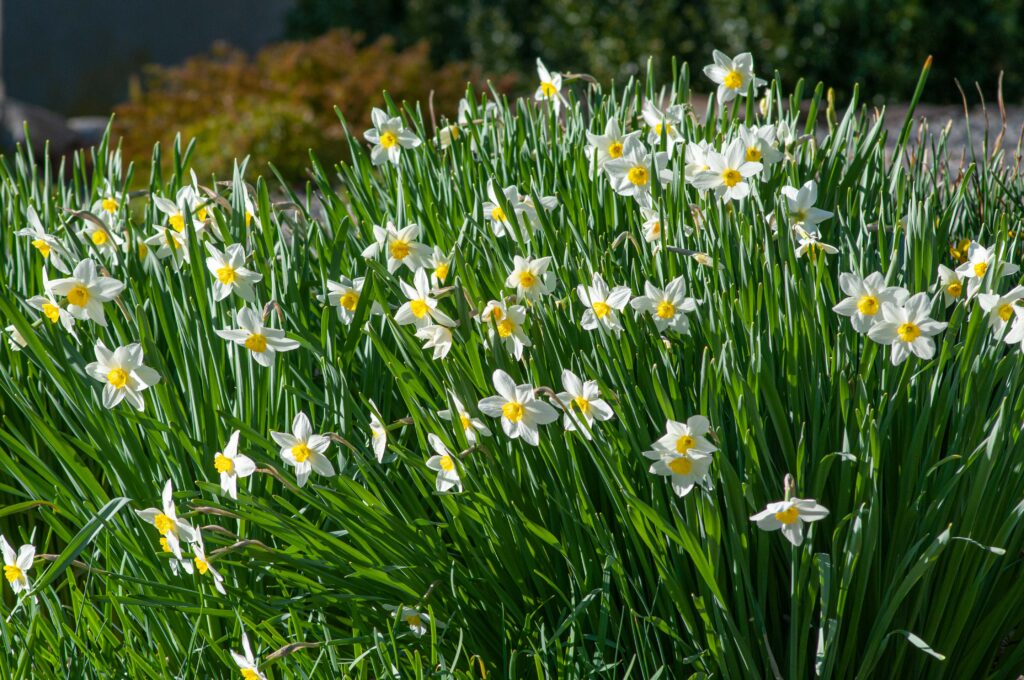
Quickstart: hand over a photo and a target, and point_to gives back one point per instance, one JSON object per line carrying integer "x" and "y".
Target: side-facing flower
{"x": 979, "y": 261}
{"x": 436, "y": 337}
{"x": 262, "y": 342}
{"x": 811, "y": 245}
{"x": 228, "y": 267}
{"x": 246, "y": 662}
{"x": 951, "y": 283}
{"x": 471, "y": 427}
{"x": 232, "y": 465}
{"x": 550, "y": 87}
{"x": 520, "y": 411}
{"x": 907, "y": 328}
{"x": 166, "y": 521}
{"x": 86, "y": 291}
{"x": 789, "y": 516}
{"x": 17, "y": 565}
{"x": 495, "y": 214}
{"x": 667, "y": 122}
{"x": 1000, "y": 308}
{"x": 203, "y": 565}
{"x": 123, "y": 374}
{"x": 378, "y": 433}
{"x": 48, "y": 245}
{"x": 443, "y": 463}
{"x": 800, "y": 206}
{"x": 304, "y": 450}
{"x": 52, "y": 310}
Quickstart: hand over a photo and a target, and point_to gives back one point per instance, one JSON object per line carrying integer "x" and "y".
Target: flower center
{"x": 980, "y": 269}
{"x": 250, "y": 674}
{"x": 349, "y": 300}
{"x": 399, "y": 249}
{"x": 583, "y": 404}
{"x": 667, "y": 127}
{"x": 177, "y": 222}
{"x": 226, "y": 275}
{"x": 413, "y": 620}
{"x": 248, "y": 217}
{"x": 685, "y": 443}
{"x": 681, "y": 466}
{"x": 202, "y": 565}
{"x": 446, "y": 463}
{"x": 527, "y": 280}
{"x": 615, "y": 150}
{"x": 868, "y": 305}
{"x": 110, "y": 205}
{"x": 506, "y": 328}
{"x": 99, "y": 237}
{"x": 601, "y": 309}
{"x": 78, "y": 295}
{"x": 52, "y": 312}
{"x": 465, "y": 421}
{"x": 954, "y": 289}
{"x": 301, "y": 452}
{"x": 163, "y": 523}
{"x": 143, "y": 250}
{"x": 656, "y": 229}
{"x": 13, "y": 573}
{"x": 788, "y": 516}
{"x": 201, "y": 214}
{"x": 223, "y": 463}
{"x": 441, "y": 271}
{"x": 548, "y": 89}
{"x": 257, "y": 342}
{"x": 638, "y": 175}
{"x": 731, "y": 177}
{"x": 908, "y": 332}
{"x": 733, "y": 80}
{"x": 498, "y": 215}
{"x": 165, "y": 545}
{"x": 118, "y": 378}
{"x": 513, "y": 410}
{"x": 1005, "y": 312}
{"x": 42, "y": 246}
{"x": 753, "y": 154}
{"x": 419, "y": 308}
{"x": 388, "y": 140}
{"x": 666, "y": 310}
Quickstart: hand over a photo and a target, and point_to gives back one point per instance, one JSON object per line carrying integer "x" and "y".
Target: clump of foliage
{"x": 279, "y": 104}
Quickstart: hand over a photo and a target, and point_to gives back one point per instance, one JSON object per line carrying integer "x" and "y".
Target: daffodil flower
{"x": 800, "y": 208}
{"x": 15, "y": 340}
{"x": 102, "y": 237}
{"x": 472, "y": 427}
{"x": 304, "y": 450}
{"x": 1016, "y": 334}
{"x": 228, "y": 267}
{"x": 232, "y": 466}
{"x": 609, "y": 146}
{"x": 123, "y": 374}
{"x": 790, "y": 516}
{"x": 635, "y": 171}
{"x": 732, "y": 75}
{"x": 583, "y": 404}
{"x": 440, "y": 266}
{"x": 166, "y": 521}
{"x": 602, "y": 305}
{"x": 388, "y": 137}
{"x": 203, "y": 566}
{"x": 907, "y": 328}
{"x": 759, "y": 145}
{"x": 668, "y": 122}
{"x": 667, "y": 308}
{"x": 401, "y": 246}
{"x": 343, "y": 295}
{"x": 550, "y": 88}
{"x": 811, "y": 245}
{"x": 506, "y": 322}
{"x": 979, "y": 261}
{"x": 16, "y": 566}
{"x": 728, "y": 172}
{"x": 684, "y": 454}
{"x": 444, "y": 464}
{"x": 436, "y": 337}
{"x": 86, "y": 292}
{"x": 651, "y": 227}
{"x": 186, "y": 202}
{"x": 865, "y": 298}
{"x": 169, "y": 243}
{"x": 420, "y": 309}
{"x": 1000, "y": 308}
{"x": 531, "y": 278}
{"x": 262, "y": 342}
{"x": 531, "y": 213}
{"x": 495, "y": 214}
{"x": 246, "y": 662}
{"x": 107, "y": 205}
{"x": 51, "y": 309}
{"x": 48, "y": 245}
{"x": 952, "y": 285}
{"x": 696, "y": 160}
{"x": 520, "y": 411}
{"x": 378, "y": 433}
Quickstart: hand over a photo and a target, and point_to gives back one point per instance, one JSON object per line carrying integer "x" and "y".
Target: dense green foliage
{"x": 568, "y": 559}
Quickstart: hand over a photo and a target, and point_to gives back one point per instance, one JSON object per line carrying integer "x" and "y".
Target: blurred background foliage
{"x": 279, "y": 103}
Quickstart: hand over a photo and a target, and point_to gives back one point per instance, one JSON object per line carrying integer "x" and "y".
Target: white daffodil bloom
{"x": 15, "y": 340}
{"x": 651, "y": 226}
{"x": 696, "y": 157}
{"x": 203, "y": 565}
{"x": 668, "y": 308}
{"x": 811, "y": 245}
{"x": 17, "y": 565}
{"x": 436, "y": 337}
{"x": 602, "y": 305}
{"x": 123, "y": 374}
{"x": 979, "y": 261}
{"x": 683, "y": 438}
{"x": 583, "y": 404}
{"x": 508, "y": 326}
{"x": 232, "y": 466}
{"x": 246, "y": 662}
{"x": 684, "y": 454}
{"x": 496, "y": 215}
{"x": 531, "y": 214}
{"x": 786, "y": 132}
{"x": 48, "y": 245}
{"x": 789, "y": 516}
{"x": 472, "y": 427}
{"x": 634, "y": 171}
{"x": 728, "y": 172}
{"x": 865, "y": 298}
{"x": 343, "y": 294}
{"x": 907, "y": 328}
{"x": 421, "y": 309}
{"x": 609, "y": 146}
{"x": 251, "y": 217}
{"x": 440, "y": 266}
{"x": 186, "y": 202}
{"x": 51, "y": 309}
{"x": 1000, "y": 308}
{"x": 86, "y": 292}
{"x": 228, "y": 267}
{"x": 444, "y": 464}
{"x": 550, "y": 88}
{"x": 488, "y": 111}
{"x": 388, "y": 137}
{"x": 400, "y": 245}
{"x": 952, "y": 285}
{"x": 103, "y": 238}
{"x": 262, "y": 342}
{"x": 531, "y": 278}
{"x": 169, "y": 243}
{"x": 419, "y": 622}
{"x": 166, "y": 521}
{"x": 378, "y": 433}
{"x": 732, "y": 75}
{"x": 759, "y": 143}
{"x": 1016, "y": 334}
{"x": 520, "y": 411}
{"x": 800, "y": 206}
{"x": 304, "y": 450}
{"x": 668, "y": 122}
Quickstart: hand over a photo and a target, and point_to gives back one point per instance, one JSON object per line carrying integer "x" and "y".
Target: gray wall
{"x": 76, "y": 56}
